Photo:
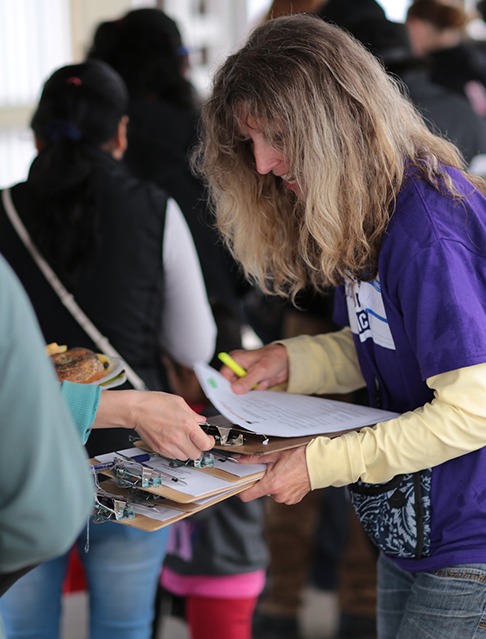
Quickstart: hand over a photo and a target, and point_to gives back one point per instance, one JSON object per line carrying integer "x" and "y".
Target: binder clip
{"x": 206, "y": 460}
{"x": 129, "y": 473}
{"x": 143, "y": 498}
{"x": 224, "y": 435}
{"x": 111, "y": 508}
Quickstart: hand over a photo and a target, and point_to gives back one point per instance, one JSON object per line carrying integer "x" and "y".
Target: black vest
{"x": 120, "y": 289}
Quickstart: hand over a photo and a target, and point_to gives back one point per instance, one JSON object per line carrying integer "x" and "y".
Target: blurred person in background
{"x": 227, "y": 558}
{"x": 437, "y": 32}
{"x": 145, "y": 47}
{"x": 446, "y": 112}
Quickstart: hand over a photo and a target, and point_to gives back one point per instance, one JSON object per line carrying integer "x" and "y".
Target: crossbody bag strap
{"x": 66, "y": 298}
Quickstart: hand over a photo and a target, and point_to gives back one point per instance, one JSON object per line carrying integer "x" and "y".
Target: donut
{"x": 80, "y": 365}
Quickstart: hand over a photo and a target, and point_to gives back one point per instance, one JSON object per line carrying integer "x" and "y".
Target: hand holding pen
{"x": 261, "y": 368}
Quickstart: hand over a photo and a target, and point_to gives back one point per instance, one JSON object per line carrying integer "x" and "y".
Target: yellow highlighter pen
{"x": 231, "y": 364}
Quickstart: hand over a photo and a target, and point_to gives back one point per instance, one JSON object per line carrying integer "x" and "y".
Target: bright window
{"x": 34, "y": 40}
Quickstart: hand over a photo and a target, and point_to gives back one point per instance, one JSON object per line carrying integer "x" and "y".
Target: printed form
{"x": 277, "y": 414}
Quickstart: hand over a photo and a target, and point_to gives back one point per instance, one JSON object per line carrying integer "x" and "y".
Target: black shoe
{"x": 275, "y": 627}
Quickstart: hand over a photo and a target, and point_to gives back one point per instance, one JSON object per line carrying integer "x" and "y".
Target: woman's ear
{"x": 120, "y": 139}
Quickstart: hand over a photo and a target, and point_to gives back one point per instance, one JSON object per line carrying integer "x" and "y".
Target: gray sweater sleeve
{"x": 46, "y": 490}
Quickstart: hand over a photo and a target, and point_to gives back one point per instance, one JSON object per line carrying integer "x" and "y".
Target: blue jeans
{"x": 122, "y": 567}
{"x": 443, "y": 604}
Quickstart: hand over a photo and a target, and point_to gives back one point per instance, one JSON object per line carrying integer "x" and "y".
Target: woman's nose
{"x": 266, "y": 158}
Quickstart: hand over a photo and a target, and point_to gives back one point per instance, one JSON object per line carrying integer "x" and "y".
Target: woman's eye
{"x": 246, "y": 142}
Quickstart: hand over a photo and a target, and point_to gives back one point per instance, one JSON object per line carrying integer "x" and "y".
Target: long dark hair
{"x": 79, "y": 111}
{"x": 145, "y": 47}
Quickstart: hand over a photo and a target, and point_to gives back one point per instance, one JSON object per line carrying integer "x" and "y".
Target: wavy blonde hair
{"x": 348, "y": 134}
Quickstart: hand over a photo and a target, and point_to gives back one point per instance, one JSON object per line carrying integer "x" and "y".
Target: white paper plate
{"x": 114, "y": 370}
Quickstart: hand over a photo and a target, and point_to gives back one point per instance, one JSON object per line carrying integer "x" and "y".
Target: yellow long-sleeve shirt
{"x": 451, "y": 425}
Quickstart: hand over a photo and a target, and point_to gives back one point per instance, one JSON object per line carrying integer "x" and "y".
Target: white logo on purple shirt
{"x": 366, "y": 311}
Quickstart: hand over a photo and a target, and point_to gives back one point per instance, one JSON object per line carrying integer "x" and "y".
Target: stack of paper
{"x": 184, "y": 490}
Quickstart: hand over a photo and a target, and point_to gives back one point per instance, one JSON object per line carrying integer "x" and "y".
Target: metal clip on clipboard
{"x": 129, "y": 473}
{"x": 206, "y": 460}
{"x": 111, "y": 508}
{"x": 230, "y": 435}
{"x": 141, "y": 497}
{"x": 108, "y": 506}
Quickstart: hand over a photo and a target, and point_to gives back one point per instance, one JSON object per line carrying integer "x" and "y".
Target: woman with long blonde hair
{"x": 322, "y": 173}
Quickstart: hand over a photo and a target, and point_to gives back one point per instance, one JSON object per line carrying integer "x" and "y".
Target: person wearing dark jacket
{"x": 146, "y": 48}
{"x": 445, "y": 111}
{"x": 122, "y": 248}
{"x": 437, "y": 32}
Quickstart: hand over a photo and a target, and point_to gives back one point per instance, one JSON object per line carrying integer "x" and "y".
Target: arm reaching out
{"x": 164, "y": 421}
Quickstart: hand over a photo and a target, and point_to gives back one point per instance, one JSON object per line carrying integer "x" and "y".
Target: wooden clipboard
{"x": 184, "y": 497}
{"x": 145, "y": 522}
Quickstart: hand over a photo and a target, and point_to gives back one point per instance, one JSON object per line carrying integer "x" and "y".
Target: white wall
{"x": 34, "y": 39}
{"x": 37, "y": 36}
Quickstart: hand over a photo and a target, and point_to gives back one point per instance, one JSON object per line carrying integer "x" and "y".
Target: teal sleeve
{"x": 82, "y": 401}
{"x": 46, "y": 488}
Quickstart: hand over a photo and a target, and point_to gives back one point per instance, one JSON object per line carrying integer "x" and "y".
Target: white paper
{"x": 115, "y": 368}
{"x": 222, "y": 462}
{"x": 278, "y": 414}
{"x": 165, "y": 513}
{"x": 209, "y": 500}
{"x": 160, "y": 513}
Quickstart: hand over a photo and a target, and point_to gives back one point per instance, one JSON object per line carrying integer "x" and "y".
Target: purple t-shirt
{"x": 425, "y": 314}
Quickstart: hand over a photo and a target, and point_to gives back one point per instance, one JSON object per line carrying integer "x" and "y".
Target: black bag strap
{"x": 66, "y": 298}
